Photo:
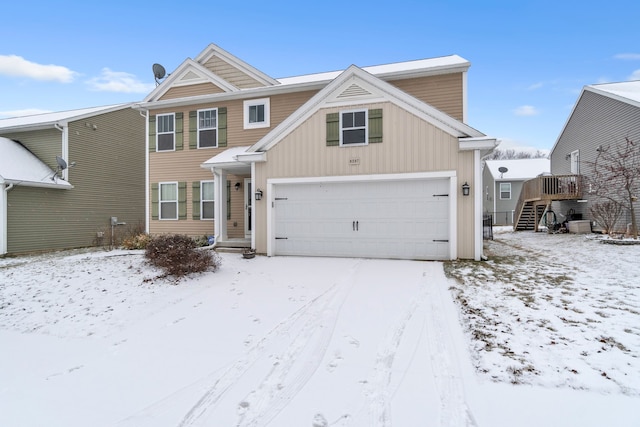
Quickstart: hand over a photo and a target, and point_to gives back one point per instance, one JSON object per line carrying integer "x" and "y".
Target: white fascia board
{"x": 253, "y": 157}
{"x": 364, "y": 178}
{"x": 60, "y": 186}
{"x": 478, "y": 143}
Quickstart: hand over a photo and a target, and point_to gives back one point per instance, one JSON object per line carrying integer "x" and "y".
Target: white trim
{"x": 341, "y": 128}
{"x": 266, "y": 102}
{"x": 248, "y": 198}
{"x": 451, "y": 175}
{"x": 160, "y": 184}
{"x": 3, "y": 216}
{"x": 207, "y": 181}
{"x": 253, "y": 202}
{"x": 166, "y": 133}
{"x": 500, "y": 183}
{"x": 147, "y": 186}
{"x": 477, "y": 211}
{"x": 198, "y": 129}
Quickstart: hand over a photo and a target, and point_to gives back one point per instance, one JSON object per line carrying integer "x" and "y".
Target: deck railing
{"x": 548, "y": 188}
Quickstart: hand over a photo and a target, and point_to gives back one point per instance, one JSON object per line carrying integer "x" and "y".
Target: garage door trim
{"x": 451, "y": 175}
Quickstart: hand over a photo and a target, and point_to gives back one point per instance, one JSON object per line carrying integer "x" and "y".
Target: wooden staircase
{"x": 539, "y": 192}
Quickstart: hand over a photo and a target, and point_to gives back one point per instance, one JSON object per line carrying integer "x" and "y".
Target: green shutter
{"x": 375, "y": 125}
{"x": 182, "y": 200}
{"x": 222, "y": 127}
{"x": 193, "y": 130}
{"x": 179, "y": 128}
{"x": 152, "y": 134}
{"x": 333, "y": 129}
{"x": 154, "y": 201}
{"x": 195, "y": 196}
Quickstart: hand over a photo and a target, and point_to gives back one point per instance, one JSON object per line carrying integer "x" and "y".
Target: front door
{"x": 248, "y": 193}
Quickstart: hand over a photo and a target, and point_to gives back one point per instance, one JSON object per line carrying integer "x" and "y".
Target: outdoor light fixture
{"x": 465, "y": 189}
{"x": 237, "y": 186}
{"x": 258, "y": 194}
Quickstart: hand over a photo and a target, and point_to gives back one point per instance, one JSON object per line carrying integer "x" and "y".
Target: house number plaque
{"x": 354, "y": 161}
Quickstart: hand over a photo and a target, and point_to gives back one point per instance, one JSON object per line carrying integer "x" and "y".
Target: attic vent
{"x": 354, "y": 90}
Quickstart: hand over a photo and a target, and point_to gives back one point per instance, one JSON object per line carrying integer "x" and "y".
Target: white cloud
{"x": 535, "y": 86}
{"x": 628, "y": 56}
{"x": 635, "y": 75}
{"x": 118, "y": 81}
{"x": 22, "y": 113}
{"x": 526, "y": 110}
{"x": 17, "y": 66}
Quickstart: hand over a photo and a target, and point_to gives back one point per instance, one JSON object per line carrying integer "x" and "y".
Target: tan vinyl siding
{"x": 45, "y": 144}
{"x": 191, "y": 90}
{"x": 108, "y": 180}
{"x": 445, "y": 91}
{"x": 409, "y": 145}
{"x": 466, "y": 224}
{"x": 231, "y": 74}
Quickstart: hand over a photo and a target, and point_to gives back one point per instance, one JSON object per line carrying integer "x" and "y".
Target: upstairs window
{"x": 257, "y": 113}
{"x": 353, "y": 127}
{"x": 165, "y": 131}
{"x": 505, "y": 190}
{"x": 207, "y": 128}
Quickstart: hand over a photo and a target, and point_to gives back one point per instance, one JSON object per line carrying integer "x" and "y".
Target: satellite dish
{"x": 62, "y": 164}
{"x": 158, "y": 72}
{"x": 502, "y": 169}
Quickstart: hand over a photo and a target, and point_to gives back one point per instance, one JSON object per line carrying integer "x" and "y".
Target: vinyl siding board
{"x": 45, "y": 144}
{"x": 596, "y": 120}
{"x": 231, "y": 74}
{"x": 444, "y": 92}
{"x": 409, "y": 145}
{"x": 191, "y": 90}
{"x": 108, "y": 180}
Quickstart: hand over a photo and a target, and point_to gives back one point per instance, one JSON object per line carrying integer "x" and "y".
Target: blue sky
{"x": 529, "y": 59}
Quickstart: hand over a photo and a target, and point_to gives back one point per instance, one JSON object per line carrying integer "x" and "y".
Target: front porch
{"x": 538, "y": 193}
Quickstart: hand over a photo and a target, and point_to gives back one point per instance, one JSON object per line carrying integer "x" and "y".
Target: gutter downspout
{"x": 64, "y": 147}
{"x": 147, "y": 187}
{"x": 3, "y": 217}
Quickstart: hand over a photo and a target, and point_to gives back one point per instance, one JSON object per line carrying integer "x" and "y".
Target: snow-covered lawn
{"x": 558, "y": 310}
{"x": 93, "y": 338}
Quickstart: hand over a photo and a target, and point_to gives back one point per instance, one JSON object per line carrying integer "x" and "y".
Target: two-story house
{"x": 365, "y": 162}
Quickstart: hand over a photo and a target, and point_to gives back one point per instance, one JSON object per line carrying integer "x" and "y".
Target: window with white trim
{"x": 505, "y": 190}
{"x": 208, "y": 128}
{"x": 165, "y": 132}
{"x": 575, "y": 162}
{"x": 206, "y": 199}
{"x": 257, "y": 113}
{"x": 168, "y": 200}
{"x": 353, "y": 127}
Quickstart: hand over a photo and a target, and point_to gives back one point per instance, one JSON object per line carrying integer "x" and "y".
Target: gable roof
{"x": 19, "y": 166}
{"x": 628, "y": 92}
{"x": 355, "y": 84}
{"x": 517, "y": 169}
{"x": 48, "y": 120}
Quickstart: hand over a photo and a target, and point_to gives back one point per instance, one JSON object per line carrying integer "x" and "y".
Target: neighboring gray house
{"x": 502, "y": 181}
{"x": 44, "y": 206}
{"x": 604, "y": 115}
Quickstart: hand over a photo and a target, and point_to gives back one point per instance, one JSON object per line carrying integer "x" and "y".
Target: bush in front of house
{"x": 178, "y": 255}
{"x": 138, "y": 241}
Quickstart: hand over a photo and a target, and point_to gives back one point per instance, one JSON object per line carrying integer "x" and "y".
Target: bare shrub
{"x": 177, "y": 255}
{"x": 606, "y": 214}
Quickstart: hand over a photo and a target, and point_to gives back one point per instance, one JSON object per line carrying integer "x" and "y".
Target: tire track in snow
{"x": 454, "y": 409}
{"x": 308, "y": 330}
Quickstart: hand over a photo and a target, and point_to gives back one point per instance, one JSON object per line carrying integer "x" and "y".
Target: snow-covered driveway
{"x": 89, "y": 339}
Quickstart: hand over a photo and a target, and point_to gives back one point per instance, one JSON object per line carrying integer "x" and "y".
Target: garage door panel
{"x": 381, "y": 219}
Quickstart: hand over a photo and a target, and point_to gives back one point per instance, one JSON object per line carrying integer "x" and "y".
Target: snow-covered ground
{"x": 93, "y": 338}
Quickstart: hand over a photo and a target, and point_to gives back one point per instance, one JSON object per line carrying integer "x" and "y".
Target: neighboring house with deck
{"x": 45, "y": 205}
{"x": 503, "y": 180}
{"x": 364, "y": 162}
{"x": 603, "y": 116}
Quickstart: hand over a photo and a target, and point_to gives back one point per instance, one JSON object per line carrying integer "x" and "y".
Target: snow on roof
{"x": 36, "y": 120}
{"x": 518, "y": 169}
{"x": 626, "y": 90}
{"x": 20, "y": 166}
{"x": 228, "y": 156}
{"x": 431, "y": 64}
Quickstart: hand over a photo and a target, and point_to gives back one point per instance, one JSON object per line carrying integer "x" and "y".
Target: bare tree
{"x": 510, "y": 154}
{"x": 616, "y": 176}
{"x": 606, "y": 214}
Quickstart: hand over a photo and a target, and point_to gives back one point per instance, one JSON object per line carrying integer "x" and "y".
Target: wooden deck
{"x": 539, "y": 192}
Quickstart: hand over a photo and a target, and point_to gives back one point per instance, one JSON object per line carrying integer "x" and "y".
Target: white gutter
{"x": 3, "y": 217}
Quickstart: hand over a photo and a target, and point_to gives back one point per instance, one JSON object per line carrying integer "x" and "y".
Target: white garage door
{"x": 404, "y": 219}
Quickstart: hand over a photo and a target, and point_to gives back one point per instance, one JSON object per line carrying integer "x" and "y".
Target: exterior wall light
{"x": 465, "y": 189}
{"x": 258, "y": 194}
{"x": 237, "y": 186}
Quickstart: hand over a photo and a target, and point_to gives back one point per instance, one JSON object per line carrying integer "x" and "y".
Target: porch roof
{"x": 228, "y": 160}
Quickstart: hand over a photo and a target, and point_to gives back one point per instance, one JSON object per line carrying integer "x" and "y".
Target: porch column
{"x": 220, "y": 204}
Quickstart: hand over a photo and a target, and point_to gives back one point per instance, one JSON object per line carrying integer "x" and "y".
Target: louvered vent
{"x": 354, "y": 90}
